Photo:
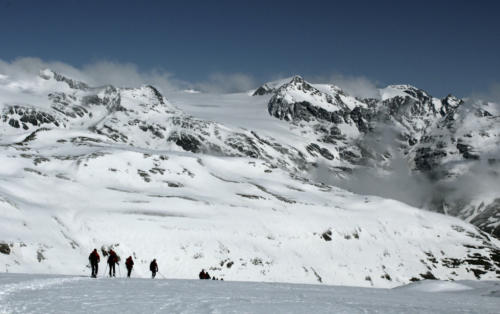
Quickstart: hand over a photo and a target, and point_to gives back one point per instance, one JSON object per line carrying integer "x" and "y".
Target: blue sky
{"x": 441, "y": 46}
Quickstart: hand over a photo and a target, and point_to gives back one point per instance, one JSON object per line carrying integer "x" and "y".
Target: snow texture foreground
{"x": 23, "y": 293}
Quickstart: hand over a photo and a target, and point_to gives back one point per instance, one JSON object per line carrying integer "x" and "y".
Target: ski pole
{"x": 162, "y": 275}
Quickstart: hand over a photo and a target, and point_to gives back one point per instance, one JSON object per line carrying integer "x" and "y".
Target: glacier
{"x": 223, "y": 182}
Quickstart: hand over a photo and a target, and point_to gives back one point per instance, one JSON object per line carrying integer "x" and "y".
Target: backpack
{"x": 94, "y": 257}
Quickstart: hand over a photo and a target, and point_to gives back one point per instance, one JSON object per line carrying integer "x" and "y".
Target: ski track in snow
{"x": 57, "y": 294}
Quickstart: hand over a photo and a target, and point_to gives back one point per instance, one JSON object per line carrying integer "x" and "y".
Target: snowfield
{"x": 23, "y": 293}
{"x": 228, "y": 191}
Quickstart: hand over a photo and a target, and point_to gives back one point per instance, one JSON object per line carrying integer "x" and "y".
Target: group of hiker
{"x": 205, "y": 276}
{"x": 113, "y": 260}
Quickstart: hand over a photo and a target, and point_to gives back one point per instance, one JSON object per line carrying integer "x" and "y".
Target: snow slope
{"x": 56, "y": 294}
{"x": 84, "y": 167}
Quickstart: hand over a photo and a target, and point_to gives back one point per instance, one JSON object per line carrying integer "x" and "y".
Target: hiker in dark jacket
{"x": 94, "y": 260}
{"x": 204, "y": 275}
{"x": 153, "y": 267}
{"x": 112, "y": 261}
{"x": 130, "y": 264}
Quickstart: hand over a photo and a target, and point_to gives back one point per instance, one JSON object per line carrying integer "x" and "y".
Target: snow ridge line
{"x": 9, "y": 289}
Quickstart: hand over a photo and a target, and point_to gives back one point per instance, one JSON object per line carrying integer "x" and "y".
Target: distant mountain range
{"x": 250, "y": 186}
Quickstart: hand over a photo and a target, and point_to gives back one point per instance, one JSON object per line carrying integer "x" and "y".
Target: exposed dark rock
{"x": 14, "y": 123}
{"x": 347, "y": 154}
{"x": 361, "y": 117}
{"x": 479, "y": 264}
{"x": 155, "y": 130}
{"x": 303, "y": 110}
{"x": 466, "y": 151}
{"x": 327, "y": 235}
{"x": 451, "y": 262}
{"x": 39, "y": 255}
{"x": 145, "y": 176}
{"x": 279, "y": 197}
{"x": 485, "y": 220}
{"x": 478, "y": 272}
{"x": 157, "y": 94}
{"x": 25, "y": 115}
{"x": 187, "y": 142}
{"x": 428, "y": 275}
{"x": 244, "y": 145}
{"x": 71, "y": 83}
{"x": 311, "y": 148}
{"x": 32, "y": 136}
{"x": 427, "y": 159}
{"x": 251, "y": 196}
{"x": 4, "y": 248}
{"x": 262, "y": 91}
{"x": 431, "y": 258}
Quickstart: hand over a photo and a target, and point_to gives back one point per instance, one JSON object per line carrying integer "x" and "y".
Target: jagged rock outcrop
{"x": 441, "y": 138}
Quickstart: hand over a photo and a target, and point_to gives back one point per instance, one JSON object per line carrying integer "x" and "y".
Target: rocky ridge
{"x": 443, "y": 139}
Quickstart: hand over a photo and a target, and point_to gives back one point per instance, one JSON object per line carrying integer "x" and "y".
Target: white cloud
{"x": 492, "y": 94}
{"x": 126, "y": 75}
{"x": 26, "y": 68}
{"x": 129, "y": 75}
{"x": 358, "y": 86}
{"x": 227, "y": 83}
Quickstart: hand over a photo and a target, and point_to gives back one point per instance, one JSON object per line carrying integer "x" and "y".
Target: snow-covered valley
{"x": 23, "y": 293}
{"x": 221, "y": 182}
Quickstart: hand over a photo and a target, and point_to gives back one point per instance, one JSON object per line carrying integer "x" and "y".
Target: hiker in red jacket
{"x": 130, "y": 264}
{"x": 153, "y": 267}
{"x": 94, "y": 260}
{"x": 112, "y": 260}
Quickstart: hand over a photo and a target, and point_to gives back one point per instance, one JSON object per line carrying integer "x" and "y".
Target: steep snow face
{"x": 137, "y": 174}
{"x": 59, "y": 294}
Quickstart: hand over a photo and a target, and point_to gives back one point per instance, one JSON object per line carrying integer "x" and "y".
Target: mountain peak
{"x": 403, "y": 90}
{"x": 271, "y": 87}
{"x": 297, "y": 79}
{"x": 48, "y": 74}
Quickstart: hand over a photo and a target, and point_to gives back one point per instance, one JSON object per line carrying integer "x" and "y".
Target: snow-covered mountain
{"x": 450, "y": 143}
{"x": 230, "y": 183}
